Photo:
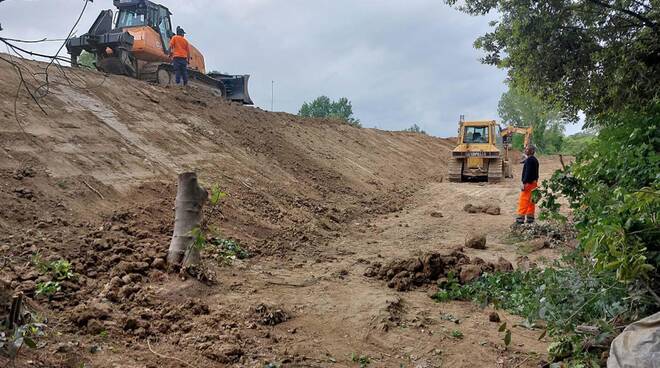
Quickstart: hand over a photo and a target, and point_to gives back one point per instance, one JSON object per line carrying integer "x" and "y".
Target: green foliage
{"x": 48, "y": 288}
{"x": 201, "y": 233}
{"x": 521, "y": 109}
{"x": 507, "y": 334}
{"x": 457, "y": 334}
{"x": 595, "y": 56}
{"x": 323, "y": 107}
{"x": 59, "y": 270}
{"x": 613, "y": 188}
{"x": 87, "y": 59}
{"x": 362, "y": 360}
{"x": 227, "y": 250}
{"x": 415, "y": 129}
{"x": 574, "y": 144}
{"x": 565, "y": 298}
{"x": 216, "y": 195}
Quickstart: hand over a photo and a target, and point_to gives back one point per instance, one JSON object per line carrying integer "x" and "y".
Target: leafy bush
{"x": 415, "y": 129}
{"x": 59, "y": 270}
{"x": 575, "y": 143}
{"x": 228, "y": 249}
{"x": 565, "y": 298}
{"x": 613, "y": 189}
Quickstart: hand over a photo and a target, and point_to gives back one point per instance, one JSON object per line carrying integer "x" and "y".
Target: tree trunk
{"x": 190, "y": 199}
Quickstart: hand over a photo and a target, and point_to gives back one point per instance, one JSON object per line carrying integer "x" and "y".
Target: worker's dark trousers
{"x": 181, "y": 70}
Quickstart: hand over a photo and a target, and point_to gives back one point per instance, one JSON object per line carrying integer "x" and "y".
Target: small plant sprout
{"x": 507, "y": 334}
{"x": 48, "y": 288}
{"x": 362, "y": 360}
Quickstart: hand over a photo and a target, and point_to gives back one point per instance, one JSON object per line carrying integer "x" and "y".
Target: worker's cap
{"x": 180, "y": 30}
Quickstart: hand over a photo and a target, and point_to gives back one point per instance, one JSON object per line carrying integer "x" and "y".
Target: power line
{"x": 21, "y": 70}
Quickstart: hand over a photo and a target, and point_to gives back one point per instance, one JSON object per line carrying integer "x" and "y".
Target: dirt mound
{"x": 92, "y": 184}
{"x": 489, "y": 209}
{"x": 409, "y": 273}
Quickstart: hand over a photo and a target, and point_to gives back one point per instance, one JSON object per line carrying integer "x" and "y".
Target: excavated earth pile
{"x": 93, "y": 183}
{"x": 319, "y": 219}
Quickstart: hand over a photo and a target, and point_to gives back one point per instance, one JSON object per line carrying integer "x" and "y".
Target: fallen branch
{"x": 304, "y": 284}
{"x": 94, "y": 190}
{"x": 522, "y": 362}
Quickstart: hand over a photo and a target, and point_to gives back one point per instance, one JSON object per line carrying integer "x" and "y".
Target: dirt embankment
{"x": 92, "y": 182}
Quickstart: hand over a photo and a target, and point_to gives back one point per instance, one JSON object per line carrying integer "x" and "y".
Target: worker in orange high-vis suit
{"x": 530, "y": 177}
{"x": 180, "y": 54}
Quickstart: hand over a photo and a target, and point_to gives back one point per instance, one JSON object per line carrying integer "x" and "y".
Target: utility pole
{"x": 272, "y": 95}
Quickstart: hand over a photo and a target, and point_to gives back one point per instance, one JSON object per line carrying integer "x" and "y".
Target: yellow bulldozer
{"x": 483, "y": 151}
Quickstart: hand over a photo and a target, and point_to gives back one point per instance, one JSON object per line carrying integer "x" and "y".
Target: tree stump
{"x": 190, "y": 199}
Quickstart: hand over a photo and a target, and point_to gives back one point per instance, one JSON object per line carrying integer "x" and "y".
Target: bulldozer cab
{"x": 140, "y": 13}
{"x": 477, "y": 133}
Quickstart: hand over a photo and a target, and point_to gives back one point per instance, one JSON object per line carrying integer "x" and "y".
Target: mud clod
{"x": 488, "y": 209}
{"x": 494, "y": 317}
{"x": 469, "y": 273}
{"x": 503, "y": 265}
{"x": 430, "y": 268}
{"x": 476, "y": 241}
{"x": 269, "y": 315}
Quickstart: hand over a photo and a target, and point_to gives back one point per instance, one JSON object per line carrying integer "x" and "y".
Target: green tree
{"x": 324, "y": 107}
{"x": 415, "y": 129}
{"x": 597, "y": 56}
{"x": 521, "y": 109}
{"x": 575, "y": 143}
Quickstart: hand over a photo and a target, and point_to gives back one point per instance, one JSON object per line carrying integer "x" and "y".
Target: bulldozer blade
{"x": 236, "y": 87}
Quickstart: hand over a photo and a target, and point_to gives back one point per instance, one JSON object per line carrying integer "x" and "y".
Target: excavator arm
{"x": 508, "y": 132}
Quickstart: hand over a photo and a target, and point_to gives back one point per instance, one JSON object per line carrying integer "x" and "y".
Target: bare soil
{"x": 316, "y": 202}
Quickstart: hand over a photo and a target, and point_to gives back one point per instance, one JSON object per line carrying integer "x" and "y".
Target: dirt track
{"x": 316, "y": 202}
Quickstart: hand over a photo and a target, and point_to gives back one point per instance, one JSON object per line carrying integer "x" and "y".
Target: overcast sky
{"x": 399, "y": 62}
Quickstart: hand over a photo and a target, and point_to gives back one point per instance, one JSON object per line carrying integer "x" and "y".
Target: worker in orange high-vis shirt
{"x": 530, "y": 177}
{"x": 180, "y": 55}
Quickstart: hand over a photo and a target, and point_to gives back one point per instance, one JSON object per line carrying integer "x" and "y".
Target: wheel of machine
{"x": 495, "y": 170}
{"x": 164, "y": 77}
{"x": 455, "y": 170}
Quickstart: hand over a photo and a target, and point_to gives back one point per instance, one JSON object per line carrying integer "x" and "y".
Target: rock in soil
{"x": 269, "y": 315}
{"x": 476, "y": 242}
{"x": 436, "y": 214}
{"x": 494, "y": 317}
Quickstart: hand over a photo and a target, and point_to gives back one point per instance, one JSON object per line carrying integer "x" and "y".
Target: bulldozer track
{"x": 495, "y": 170}
{"x": 163, "y": 74}
{"x": 455, "y": 170}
